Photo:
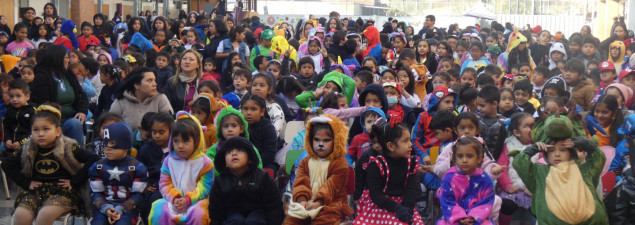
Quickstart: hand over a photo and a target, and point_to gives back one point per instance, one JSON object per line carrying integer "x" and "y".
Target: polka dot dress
{"x": 371, "y": 214}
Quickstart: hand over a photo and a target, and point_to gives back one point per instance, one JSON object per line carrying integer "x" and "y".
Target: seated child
{"x": 523, "y": 91}
{"x": 622, "y": 151}
{"x": 116, "y": 194}
{"x": 253, "y": 107}
{"x": 204, "y": 109}
{"x": 164, "y": 70}
{"x": 361, "y": 142}
{"x": 361, "y": 167}
{"x": 514, "y": 193}
{"x": 492, "y": 126}
{"x": 151, "y": 155}
{"x": 443, "y": 98}
{"x": 16, "y": 126}
{"x": 319, "y": 191}
{"x": 105, "y": 119}
{"x": 186, "y": 177}
{"x": 231, "y": 123}
{"x": 243, "y": 193}
{"x": 564, "y": 190}
{"x": 242, "y": 82}
{"x": 441, "y": 124}
{"x": 467, "y": 193}
{"x": 48, "y": 193}
{"x": 393, "y": 184}
{"x": 307, "y": 75}
{"x": 209, "y": 68}
{"x": 335, "y": 104}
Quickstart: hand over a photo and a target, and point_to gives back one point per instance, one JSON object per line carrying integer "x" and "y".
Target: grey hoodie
{"x": 132, "y": 111}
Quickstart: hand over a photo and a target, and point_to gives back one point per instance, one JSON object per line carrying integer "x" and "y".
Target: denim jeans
{"x": 73, "y": 128}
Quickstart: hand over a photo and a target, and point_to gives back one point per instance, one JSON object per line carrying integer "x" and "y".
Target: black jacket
{"x": 360, "y": 172}
{"x": 252, "y": 191}
{"x": 107, "y": 96}
{"x": 176, "y": 93}
{"x": 17, "y": 123}
{"x": 263, "y": 137}
{"x": 45, "y": 90}
{"x": 163, "y": 75}
{"x": 310, "y": 83}
{"x": 151, "y": 155}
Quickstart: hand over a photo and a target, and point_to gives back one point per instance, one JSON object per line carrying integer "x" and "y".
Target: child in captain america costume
{"x": 117, "y": 182}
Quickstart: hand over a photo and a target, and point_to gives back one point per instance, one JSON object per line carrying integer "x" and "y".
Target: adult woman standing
{"x": 181, "y": 88}
{"x": 618, "y": 33}
{"x": 55, "y": 83}
{"x": 139, "y": 96}
{"x": 217, "y": 33}
{"x": 235, "y": 43}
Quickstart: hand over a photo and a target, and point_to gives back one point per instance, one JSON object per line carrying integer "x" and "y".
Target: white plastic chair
{"x": 292, "y": 129}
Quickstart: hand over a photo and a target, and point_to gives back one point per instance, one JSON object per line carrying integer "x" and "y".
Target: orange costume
{"x": 330, "y": 173}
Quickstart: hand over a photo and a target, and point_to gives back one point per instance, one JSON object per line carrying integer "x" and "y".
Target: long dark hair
{"x": 16, "y": 28}
{"x": 49, "y": 4}
{"x": 221, "y": 28}
{"x": 611, "y": 103}
{"x": 135, "y": 77}
{"x": 48, "y": 32}
{"x": 52, "y": 59}
{"x": 142, "y": 28}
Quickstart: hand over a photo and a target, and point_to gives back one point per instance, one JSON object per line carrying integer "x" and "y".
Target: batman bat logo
{"x": 47, "y": 166}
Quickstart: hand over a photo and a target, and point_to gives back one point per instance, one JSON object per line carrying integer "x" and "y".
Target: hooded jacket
{"x": 619, "y": 61}
{"x": 214, "y": 106}
{"x": 345, "y": 83}
{"x": 132, "y": 111}
{"x": 360, "y": 142}
{"x": 557, "y": 47}
{"x": 194, "y": 174}
{"x": 252, "y": 191}
{"x": 142, "y": 42}
{"x": 102, "y": 32}
{"x": 422, "y": 138}
{"x": 357, "y": 127}
{"x": 163, "y": 76}
{"x": 373, "y": 47}
{"x": 332, "y": 190}
{"x": 212, "y": 151}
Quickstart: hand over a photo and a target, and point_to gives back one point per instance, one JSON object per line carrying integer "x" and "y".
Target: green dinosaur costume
{"x": 211, "y": 152}
{"x": 564, "y": 193}
{"x": 344, "y": 82}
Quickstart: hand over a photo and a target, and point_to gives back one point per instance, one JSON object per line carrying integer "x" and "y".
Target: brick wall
{"x": 82, "y": 11}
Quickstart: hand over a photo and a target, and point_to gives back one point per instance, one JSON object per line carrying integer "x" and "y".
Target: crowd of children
{"x": 448, "y": 126}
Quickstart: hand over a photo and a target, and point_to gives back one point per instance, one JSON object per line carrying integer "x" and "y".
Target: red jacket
{"x": 359, "y": 144}
{"x": 83, "y": 41}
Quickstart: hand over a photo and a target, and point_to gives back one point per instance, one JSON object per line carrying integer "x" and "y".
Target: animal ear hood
{"x": 340, "y": 134}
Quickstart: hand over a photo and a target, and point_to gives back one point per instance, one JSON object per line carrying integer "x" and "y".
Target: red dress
{"x": 368, "y": 213}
